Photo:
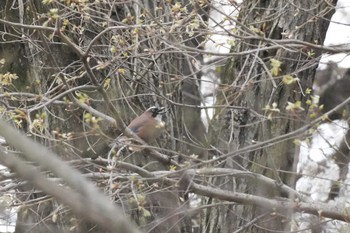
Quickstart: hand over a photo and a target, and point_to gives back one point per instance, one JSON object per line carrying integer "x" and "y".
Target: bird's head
{"x": 155, "y": 111}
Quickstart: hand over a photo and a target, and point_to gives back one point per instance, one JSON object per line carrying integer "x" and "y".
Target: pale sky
{"x": 338, "y": 33}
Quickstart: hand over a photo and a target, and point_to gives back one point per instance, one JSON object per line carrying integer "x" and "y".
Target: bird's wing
{"x": 135, "y": 129}
{"x": 136, "y": 124}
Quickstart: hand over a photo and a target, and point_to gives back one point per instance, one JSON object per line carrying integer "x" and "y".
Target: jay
{"x": 148, "y": 126}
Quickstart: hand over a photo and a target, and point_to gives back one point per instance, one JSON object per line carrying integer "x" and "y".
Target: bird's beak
{"x": 161, "y": 110}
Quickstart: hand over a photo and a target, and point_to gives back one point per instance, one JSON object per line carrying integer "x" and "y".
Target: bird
{"x": 148, "y": 126}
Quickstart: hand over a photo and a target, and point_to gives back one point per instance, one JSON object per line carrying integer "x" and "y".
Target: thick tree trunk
{"x": 250, "y": 83}
{"x": 136, "y": 74}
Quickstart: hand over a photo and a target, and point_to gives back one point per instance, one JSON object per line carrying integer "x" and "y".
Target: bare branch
{"x": 100, "y": 208}
{"x": 317, "y": 208}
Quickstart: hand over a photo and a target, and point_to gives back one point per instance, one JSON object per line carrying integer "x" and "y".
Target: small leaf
{"x": 107, "y": 83}
{"x": 43, "y": 115}
{"x": 54, "y": 218}
{"x": 54, "y": 13}
{"x": 315, "y": 99}
{"x": 121, "y": 70}
{"x": 288, "y": 79}
{"x": 325, "y": 117}
{"x": 313, "y": 115}
{"x": 145, "y": 212}
{"x": 293, "y": 107}
{"x": 6, "y": 79}
{"x": 45, "y": 2}
{"x": 297, "y": 142}
{"x": 275, "y": 64}
{"x": 113, "y": 49}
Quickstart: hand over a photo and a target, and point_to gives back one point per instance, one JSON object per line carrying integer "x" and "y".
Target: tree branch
{"x": 275, "y": 206}
{"x": 87, "y": 200}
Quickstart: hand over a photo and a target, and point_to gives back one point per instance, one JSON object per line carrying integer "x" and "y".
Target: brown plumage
{"x": 148, "y": 126}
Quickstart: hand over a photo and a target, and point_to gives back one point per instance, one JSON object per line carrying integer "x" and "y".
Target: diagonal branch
{"x": 86, "y": 199}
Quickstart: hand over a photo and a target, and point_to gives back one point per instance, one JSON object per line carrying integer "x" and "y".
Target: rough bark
{"x": 140, "y": 74}
{"x": 249, "y": 83}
